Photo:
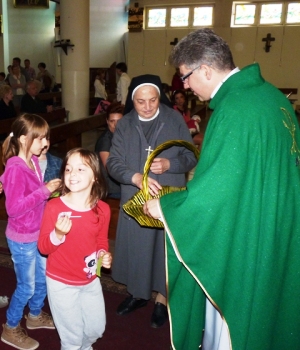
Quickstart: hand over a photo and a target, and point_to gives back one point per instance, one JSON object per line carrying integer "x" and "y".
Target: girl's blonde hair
{"x": 30, "y": 125}
{"x": 89, "y": 158}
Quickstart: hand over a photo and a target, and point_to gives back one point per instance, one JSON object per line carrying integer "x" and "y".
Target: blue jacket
{"x": 53, "y": 167}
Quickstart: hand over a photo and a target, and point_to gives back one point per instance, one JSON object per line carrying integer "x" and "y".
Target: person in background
{"x": 74, "y": 235}
{"x": 2, "y": 79}
{"x": 3, "y": 301}
{"x": 123, "y": 83}
{"x": 139, "y": 260}
{"x": 49, "y": 164}
{"x": 26, "y": 195}
{"x": 233, "y": 237}
{"x": 7, "y": 108}
{"x": 16, "y": 62}
{"x": 30, "y": 71}
{"x": 9, "y": 69}
{"x": 179, "y": 99}
{"x": 31, "y": 102}
{"x": 99, "y": 84}
{"x": 177, "y": 83}
{"x": 44, "y": 72}
{"x": 113, "y": 115}
{"x": 18, "y": 82}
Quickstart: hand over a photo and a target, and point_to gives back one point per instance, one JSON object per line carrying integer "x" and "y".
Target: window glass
{"x": 179, "y": 17}
{"x": 270, "y": 13}
{"x": 157, "y": 18}
{"x": 293, "y": 13}
{"x": 203, "y": 16}
{"x": 244, "y": 14}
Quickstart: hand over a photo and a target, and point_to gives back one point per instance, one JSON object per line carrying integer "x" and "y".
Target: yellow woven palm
{"x": 134, "y": 207}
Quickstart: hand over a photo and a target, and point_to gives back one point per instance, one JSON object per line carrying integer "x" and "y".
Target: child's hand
{"x": 1, "y": 187}
{"x": 63, "y": 226}
{"x": 106, "y": 259}
{"x": 52, "y": 185}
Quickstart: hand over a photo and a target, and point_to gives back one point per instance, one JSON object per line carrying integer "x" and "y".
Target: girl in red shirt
{"x": 74, "y": 235}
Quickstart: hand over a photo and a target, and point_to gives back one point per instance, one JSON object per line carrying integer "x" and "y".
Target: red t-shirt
{"x": 74, "y": 261}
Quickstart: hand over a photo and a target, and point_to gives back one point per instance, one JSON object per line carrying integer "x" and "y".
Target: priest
{"x": 233, "y": 237}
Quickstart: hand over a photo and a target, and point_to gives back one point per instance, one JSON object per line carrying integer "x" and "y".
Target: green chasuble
{"x": 234, "y": 235}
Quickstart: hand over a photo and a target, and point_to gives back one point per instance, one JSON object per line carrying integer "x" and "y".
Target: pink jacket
{"x": 26, "y": 196}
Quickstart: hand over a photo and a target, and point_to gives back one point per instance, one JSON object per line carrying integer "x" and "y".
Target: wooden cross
{"x": 175, "y": 42}
{"x": 149, "y": 150}
{"x": 268, "y": 39}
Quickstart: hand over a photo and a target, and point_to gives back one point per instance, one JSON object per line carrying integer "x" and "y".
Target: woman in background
{"x": 99, "y": 84}
{"x": 17, "y": 81}
{"x": 7, "y": 108}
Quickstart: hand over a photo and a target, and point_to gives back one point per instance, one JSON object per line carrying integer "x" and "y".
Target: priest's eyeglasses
{"x": 189, "y": 73}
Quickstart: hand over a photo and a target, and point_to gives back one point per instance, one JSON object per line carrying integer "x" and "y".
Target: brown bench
{"x": 57, "y": 116}
{"x": 55, "y": 96}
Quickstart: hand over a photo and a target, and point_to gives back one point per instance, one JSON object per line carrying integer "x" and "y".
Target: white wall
{"x": 29, "y": 34}
{"x": 149, "y": 50}
{"x": 108, "y": 24}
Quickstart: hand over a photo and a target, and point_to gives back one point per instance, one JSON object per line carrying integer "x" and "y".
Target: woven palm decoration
{"x": 134, "y": 207}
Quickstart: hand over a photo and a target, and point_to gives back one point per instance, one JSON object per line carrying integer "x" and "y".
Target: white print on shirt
{"x": 64, "y": 213}
{"x": 91, "y": 265}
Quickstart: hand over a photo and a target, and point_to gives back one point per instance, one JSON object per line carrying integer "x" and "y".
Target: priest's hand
{"x": 160, "y": 165}
{"x": 151, "y": 208}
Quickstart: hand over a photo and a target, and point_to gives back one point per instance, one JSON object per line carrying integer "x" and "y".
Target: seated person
{"x": 7, "y": 109}
{"x": 2, "y": 78}
{"x": 103, "y": 144}
{"x": 31, "y": 103}
{"x": 49, "y": 164}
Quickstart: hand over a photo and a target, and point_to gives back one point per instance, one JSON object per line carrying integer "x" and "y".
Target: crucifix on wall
{"x": 268, "y": 39}
{"x": 175, "y": 42}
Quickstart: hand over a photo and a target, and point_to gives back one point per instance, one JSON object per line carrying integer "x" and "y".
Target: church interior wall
{"x": 149, "y": 49}
{"x": 31, "y": 35}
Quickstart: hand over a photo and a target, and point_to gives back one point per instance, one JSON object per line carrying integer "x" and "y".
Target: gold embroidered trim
{"x": 290, "y": 125}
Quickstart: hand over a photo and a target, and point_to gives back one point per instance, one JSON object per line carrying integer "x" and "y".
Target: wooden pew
{"x": 55, "y": 96}
{"x": 291, "y": 91}
{"x": 57, "y": 116}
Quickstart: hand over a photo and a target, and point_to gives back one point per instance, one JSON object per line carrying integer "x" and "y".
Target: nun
{"x": 139, "y": 259}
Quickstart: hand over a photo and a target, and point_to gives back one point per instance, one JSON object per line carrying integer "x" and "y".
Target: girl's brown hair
{"x": 89, "y": 158}
{"x": 30, "y": 125}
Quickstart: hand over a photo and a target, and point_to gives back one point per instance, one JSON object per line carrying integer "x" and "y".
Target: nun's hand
{"x": 160, "y": 165}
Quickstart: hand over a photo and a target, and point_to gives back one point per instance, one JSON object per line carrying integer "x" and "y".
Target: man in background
{"x": 31, "y": 103}
{"x": 123, "y": 83}
{"x": 29, "y": 70}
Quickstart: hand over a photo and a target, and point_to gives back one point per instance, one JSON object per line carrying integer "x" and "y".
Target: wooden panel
{"x": 286, "y": 91}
